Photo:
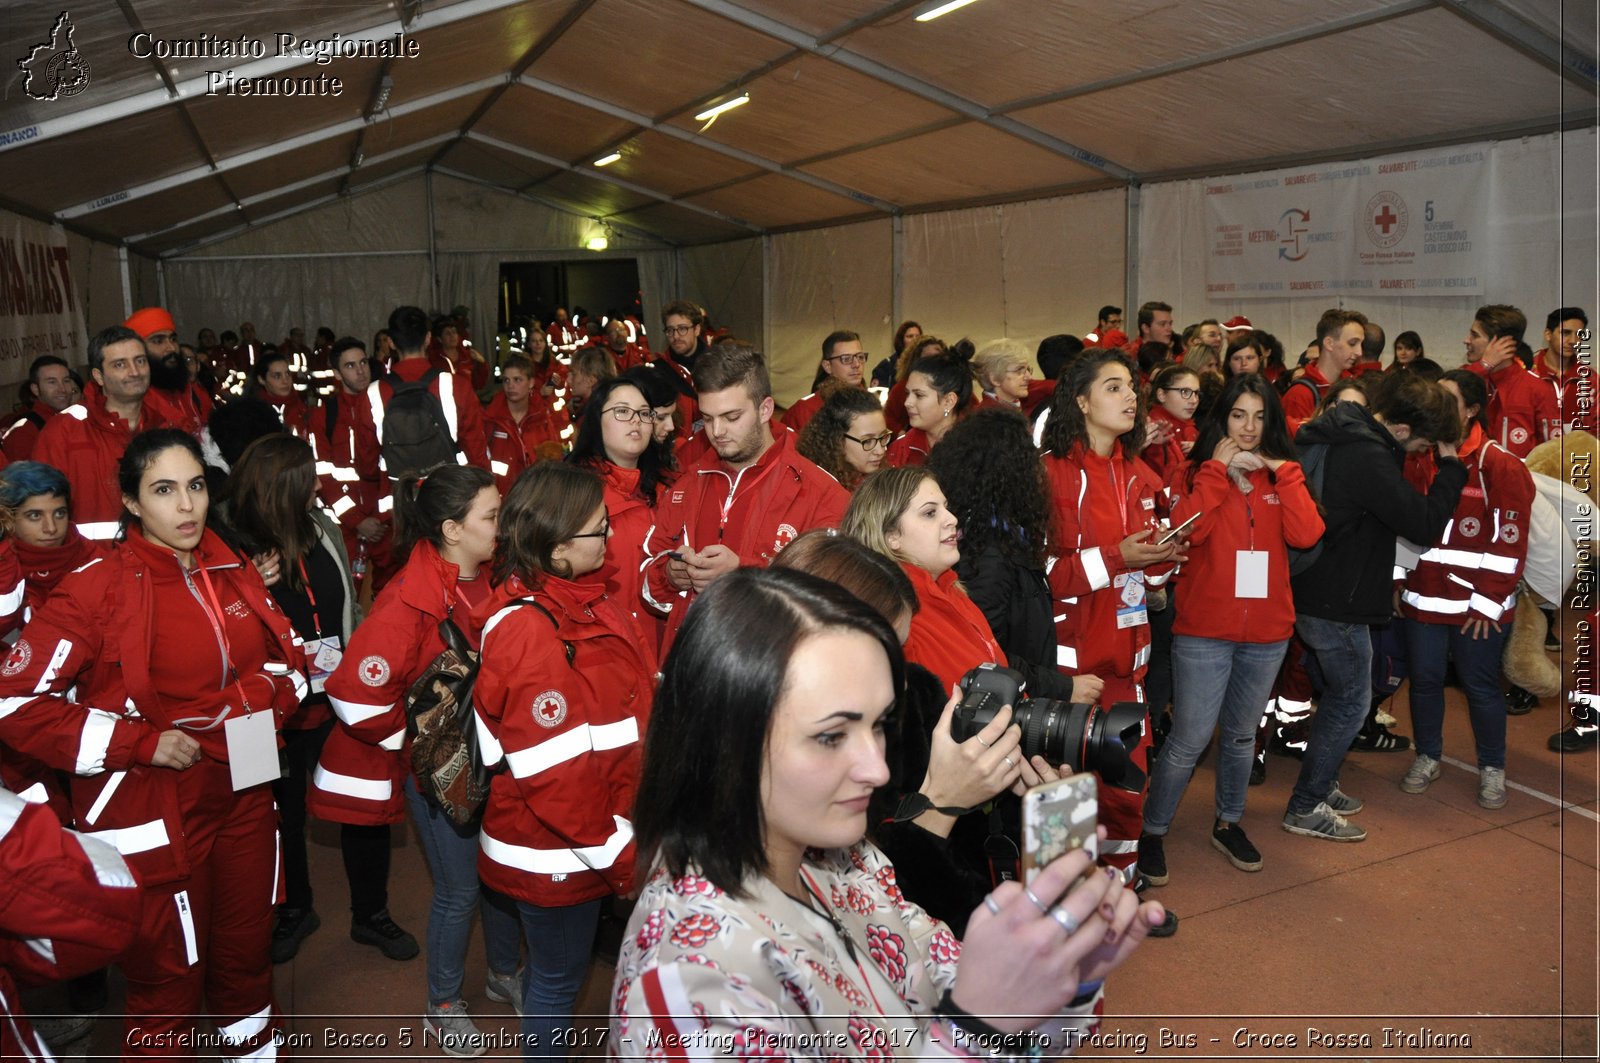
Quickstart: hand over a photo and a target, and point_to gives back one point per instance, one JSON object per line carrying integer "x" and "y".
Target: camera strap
{"x": 913, "y": 805}
{"x": 1000, "y": 849}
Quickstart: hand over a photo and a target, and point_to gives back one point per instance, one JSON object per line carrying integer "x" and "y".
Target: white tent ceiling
{"x": 856, "y": 110}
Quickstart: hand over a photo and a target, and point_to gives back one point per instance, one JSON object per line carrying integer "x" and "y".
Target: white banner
{"x": 1411, "y": 224}
{"x": 40, "y": 309}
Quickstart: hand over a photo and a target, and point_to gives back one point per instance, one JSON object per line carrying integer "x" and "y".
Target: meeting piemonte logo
{"x": 55, "y": 69}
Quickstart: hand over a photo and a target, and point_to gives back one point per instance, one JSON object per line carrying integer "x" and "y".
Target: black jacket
{"x": 1016, "y": 601}
{"x": 1366, "y": 504}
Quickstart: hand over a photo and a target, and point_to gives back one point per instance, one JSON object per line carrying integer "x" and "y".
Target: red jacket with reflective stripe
{"x": 1087, "y": 534}
{"x": 348, "y": 480}
{"x": 514, "y": 444}
{"x": 556, "y": 828}
{"x": 1471, "y": 573}
{"x": 466, "y": 414}
{"x": 1277, "y": 513}
{"x": 21, "y": 435}
{"x": 1522, "y": 409}
{"x": 950, "y": 636}
{"x": 366, "y": 758}
{"x": 100, "y": 633}
{"x": 1577, "y": 392}
{"x": 86, "y": 442}
{"x": 910, "y": 449}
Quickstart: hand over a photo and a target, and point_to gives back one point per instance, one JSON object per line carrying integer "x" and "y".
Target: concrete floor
{"x": 1448, "y": 923}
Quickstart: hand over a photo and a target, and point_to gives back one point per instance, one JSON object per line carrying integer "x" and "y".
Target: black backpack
{"x": 1314, "y": 463}
{"x": 416, "y": 437}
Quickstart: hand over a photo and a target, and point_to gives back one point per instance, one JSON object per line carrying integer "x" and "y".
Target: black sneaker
{"x": 381, "y": 932}
{"x": 1520, "y": 702}
{"x": 87, "y": 993}
{"x": 1258, "y": 768}
{"x": 1231, "y": 841}
{"x": 1377, "y": 738}
{"x": 1153, "y": 859}
{"x": 1575, "y": 739}
{"x": 292, "y": 926}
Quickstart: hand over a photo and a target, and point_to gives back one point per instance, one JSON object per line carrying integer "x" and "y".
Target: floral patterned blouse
{"x": 854, "y": 975}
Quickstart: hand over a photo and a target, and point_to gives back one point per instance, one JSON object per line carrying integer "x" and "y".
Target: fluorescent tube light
{"x": 607, "y": 160}
{"x": 737, "y": 101}
{"x": 942, "y": 9}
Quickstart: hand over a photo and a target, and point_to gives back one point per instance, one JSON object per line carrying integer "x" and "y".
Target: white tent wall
{"x": 1542, "y": 254}
{"x": 728, "y": 279}
{"x": 97, "y": 273}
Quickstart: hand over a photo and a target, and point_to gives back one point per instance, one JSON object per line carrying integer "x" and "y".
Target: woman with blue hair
{"x": 35, "y": 513}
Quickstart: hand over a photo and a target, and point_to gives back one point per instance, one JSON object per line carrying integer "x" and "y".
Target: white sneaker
{"x": 454, "y": 1029}
{"x": 1423, "y": 771}
{"x": 1492, "y": 787}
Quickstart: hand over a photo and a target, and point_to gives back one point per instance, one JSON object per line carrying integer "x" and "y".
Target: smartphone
{"x": 1058, "y": 817}
{"x": 1173, "y": 533}
{"x": 675, "y": 555}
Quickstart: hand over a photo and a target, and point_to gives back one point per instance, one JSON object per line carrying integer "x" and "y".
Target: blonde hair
{"x": 879, "y": 503}
{"x": 995, "y": 358}
{"x": 1200, "y": 357}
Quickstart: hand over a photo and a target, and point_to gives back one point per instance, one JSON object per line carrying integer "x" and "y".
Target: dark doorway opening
{"x": 602, "y": 287}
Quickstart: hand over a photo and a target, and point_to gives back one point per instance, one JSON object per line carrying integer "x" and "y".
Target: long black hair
{"x": 1067, "y": 426}
{"x": 1275, "y": 439}
{"x": 1474, "y": 392}
{"x": 995, "y": 485}
{"x": 589, "y": 448}
{"x": 950, "y": 372}
{"x": 423, "y": 504}
{"x": 699, "y": 799}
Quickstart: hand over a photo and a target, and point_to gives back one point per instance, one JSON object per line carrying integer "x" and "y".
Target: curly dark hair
{"x": 1067, "y": 427}
{"x": 823, "y": 438}
{"x": 994, "y": 482}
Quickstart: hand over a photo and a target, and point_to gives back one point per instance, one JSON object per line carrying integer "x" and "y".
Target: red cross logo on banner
{"x": 1386, "y": 219}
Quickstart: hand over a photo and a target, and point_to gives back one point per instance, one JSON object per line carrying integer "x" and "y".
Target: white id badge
{"x": 1250, "y": 574}
{"x": 252, "y": 749}
{"x": 1131, "y": 610}
{"x": 322, "y": 657}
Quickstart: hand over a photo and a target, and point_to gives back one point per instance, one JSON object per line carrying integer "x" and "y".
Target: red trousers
{"x": 1122, "y": 812}
{"x": 205, "y": 947}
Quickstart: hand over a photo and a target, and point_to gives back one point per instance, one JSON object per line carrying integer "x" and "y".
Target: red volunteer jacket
{"x": 556, "y": 829}
{"x": 796, "y": 417}
{"x": 1096, "y": 503}
{"x": 950, "y": 636}
{"x": 1522, "y": 408}
{"x": 755, "y": 512}
{"x": 41, "y": 570}
{"x": 1471, "y": 573}
{"x": 109, "y": 629}
{"x": 461, "y": 409}
{"x": 1169, "y": 456}
{"x": 349, "y": 481}
{"x": 513, "y": 443}
{"x": 86, "y": 442}
{"x": 292, "y": 412}
{"x": 1277, "y": 513}
{"x": 894, "y": 407}
{"x": 469, "y": 370}
{"x": 1300, "y": 401}
{"x": 632, "y": 516}
{"x": 1577, "y": 392}
{"x": 21, "y": 434}
{"x": 189, "y": 409}
{"x": 366, "y": 758}
{"x": 910, "y": 449}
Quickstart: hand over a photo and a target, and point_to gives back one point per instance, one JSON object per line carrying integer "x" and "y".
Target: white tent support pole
{"x": 691, "y": 137}
{"x": 127, "y": 282}
{"x": 433, "y": 238}
{"x": 189, "y": 88}
{"x": 275, "y": 150}
{"x": 161, "y": 282}
{"x": 1512, "y": 29}
{"x": 916, "y": 86}
{"x": 1130, "y": 255}
{"x": 615, "y": 226}
{"x": 601, "y": 175}
{"x": 297, "y": 256}
{"x": 766, "y": 295}
{"x": 897, "y": 260}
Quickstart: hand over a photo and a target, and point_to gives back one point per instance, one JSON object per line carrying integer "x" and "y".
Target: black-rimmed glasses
{"x": 871, "y": 443}
{"x": 605, "y": 530}
{"x": 628, "y": 414}
{"x": 859, "y": 358}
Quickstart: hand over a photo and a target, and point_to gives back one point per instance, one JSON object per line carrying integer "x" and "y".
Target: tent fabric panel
{"x": 231, "y": 125}
{"x": 491, "y": 164}
{"x": 459, "y": 210}
{"x": 282, "y": 293}
{"x": 1542, "y": 253}
{"x": 773, "y": 201}
{"x": 172, "y": 207}
{"x": 590, "y": 195}
{"x": 952, "y": 273}
{"x": 998, "y": 53}
{"x": 673, "y": 166}
{"x": 727, "y": 280}
{"x": 1062, "y": 259}
{"x": 673, "y": 54}
{"x": 473, "y": 48}
{"x": 678, "y": 224}
{"x": 1405, "y": 59}
{"x": 281, "y": 170}
{"x": 822, "y": 280}
{"x": 369, "y": 172}
{"x": 810, "y": 106}
{"x": 97, "y": 275}
{"x": 1577, "y": 23}
{"x": 257, "y": 212}
{"x": 385, "y": 219}
{"x": 78, "y": 167}
{"x": 392, "y": 133}
{"x": 551, "y": 125}
{"x": 962, "y": 162}
{"x": 815, "y": 16}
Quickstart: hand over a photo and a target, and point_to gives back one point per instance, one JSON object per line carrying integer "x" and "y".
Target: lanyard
{"x": 305, "y": 578}
{"x": 219, "y": 626}
{"x": 1119, "y": 484}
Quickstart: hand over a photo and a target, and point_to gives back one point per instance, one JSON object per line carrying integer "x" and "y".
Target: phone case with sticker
{"x": 1058, "y": 817}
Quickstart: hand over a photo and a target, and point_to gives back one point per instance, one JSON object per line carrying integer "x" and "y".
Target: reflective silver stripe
{"x": 131, "y": 840}
{"x": 100, "y": 529}
{"x": 1142, "y": 656}
{"x": 488, "y": 745}
{"x": 104, "y": 797}
{"x": 94, "y": 740}
{"x": 325, "y": 468}
{"x": 345, "y": 474}
{"x": 385, "y": 503}
{"x": 571, "y": 744}
{"x": 10, "y": 705}
{"x": 354, "y": 712}
{"x": 342, "y": 505}
{"x": 559, "y": 861}
{"x": 110, "y": 869}
{"x": 447, "y": 399}
{"x": 186, "y": 920}
{"x": 11, "y": 809}
{"x": 248, "y": 1026}
{"x": 35, "y": 794}
{"x": 1427, "y": 603}
{"x": 58, "y": 657}
{"x": 266, "y": 1052}
{"x": 1094, "y": 567}
{"x": 44, "y": 947}
{"x": 1472, "y": 559}
{"x": 1491, "y": 608}
{"x": 499, "y": 468}
{"x": 394, "y": 741}
{"x": 1066, "y": 657}
{"x": 11, "y": 601}
{"x": 350, "y": 786}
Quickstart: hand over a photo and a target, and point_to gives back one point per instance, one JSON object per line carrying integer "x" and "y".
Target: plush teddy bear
{"x": 1572, "y": 460}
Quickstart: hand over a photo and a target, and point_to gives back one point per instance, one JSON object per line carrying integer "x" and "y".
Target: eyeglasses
{"x": 605, "y": 530}
{"x": 859, "y": 358}
{"x": 1182, "y": 393}
{"x": 871, "y": 443}
{"x": 628, "y": 415}
{"x": 679, "y": 330}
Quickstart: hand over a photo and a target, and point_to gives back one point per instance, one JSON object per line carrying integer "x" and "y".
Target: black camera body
{"x": 1082, "y": 735}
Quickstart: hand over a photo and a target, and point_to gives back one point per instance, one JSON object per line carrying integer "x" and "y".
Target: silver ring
{"x": 981, "y": 742}
{"x": 990, "y": 903}
{"x": 1008, "y": 761}
{"x": 1066, "y": 920}
{"x": 1037, "y": 903}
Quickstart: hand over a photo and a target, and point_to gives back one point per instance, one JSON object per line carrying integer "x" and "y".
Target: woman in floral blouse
{"x": 768, "y": 926}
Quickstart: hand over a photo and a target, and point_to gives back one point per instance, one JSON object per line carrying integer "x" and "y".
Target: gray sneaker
{"x": 453, "y": 1028}
{"x": 1492, "y": 787}
{"x": 1323, "y": 822}
{"x": 1423, "y": 771}
{"x": 504, "y": 989}
{"x": 1343, "y": 803}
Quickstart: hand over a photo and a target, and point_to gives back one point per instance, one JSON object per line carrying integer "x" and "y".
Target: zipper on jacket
{"x": 222, "y": 684}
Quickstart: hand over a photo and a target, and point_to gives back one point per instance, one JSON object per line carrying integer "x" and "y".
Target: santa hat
{"x": 151, "y": 320}
{"x": 1237, "y": 323}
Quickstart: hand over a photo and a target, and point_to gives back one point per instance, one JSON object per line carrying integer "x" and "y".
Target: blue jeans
{"x": 559, "y": 942}
{"x": 1212, "y": 680}
{"x": 1478, "y": 665}
{"x": 453, "y": 859}
{"x": 1344, "y": 654}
